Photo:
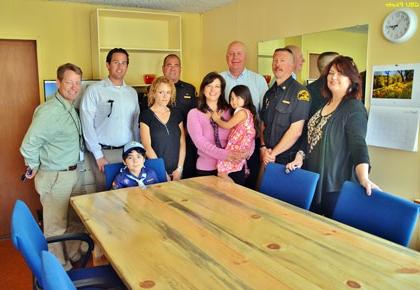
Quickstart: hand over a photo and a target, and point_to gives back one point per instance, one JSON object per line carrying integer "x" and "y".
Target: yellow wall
{"x": 62, "y": 32}
{"x": 265, "y": 55}
{"x": 254, "y": 21}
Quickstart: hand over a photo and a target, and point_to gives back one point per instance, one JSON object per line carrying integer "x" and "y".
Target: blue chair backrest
{"x": 297, "y": 187}
{"x": 53, "y": 274}
{"x": 28, "y": 238}
{"x": 158, "y": 165}
{"x": 112, "y": 169}
{"x": 382, "y": 214}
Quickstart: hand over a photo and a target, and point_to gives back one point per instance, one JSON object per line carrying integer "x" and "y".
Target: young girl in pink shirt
{"x": 241, "y": 138}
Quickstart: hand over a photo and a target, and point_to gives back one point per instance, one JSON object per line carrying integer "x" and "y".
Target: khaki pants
{"x": 113, "y": 156}
{"x": 55, "y": 189}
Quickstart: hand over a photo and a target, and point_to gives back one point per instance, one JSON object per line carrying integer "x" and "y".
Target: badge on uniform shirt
{"x": 303, "y": 96}
{"x": 285, "y": 102}
{"x": 187, "y": 97}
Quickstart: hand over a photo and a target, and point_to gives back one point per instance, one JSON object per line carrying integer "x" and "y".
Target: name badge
{"x": 187, "y": 97}
{"x": 285, "y": 102}
{"x": 81, "y": 155}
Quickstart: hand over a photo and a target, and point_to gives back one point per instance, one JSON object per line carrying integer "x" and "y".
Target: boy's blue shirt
{"x": 126, "y": 179}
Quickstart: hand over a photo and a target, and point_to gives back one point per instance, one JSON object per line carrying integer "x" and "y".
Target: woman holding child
{"x": 207, "y": 136}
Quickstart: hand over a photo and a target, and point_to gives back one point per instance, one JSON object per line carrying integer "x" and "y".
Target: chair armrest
{"x": 98, "y": 282}
{"x": 75, "y": 237}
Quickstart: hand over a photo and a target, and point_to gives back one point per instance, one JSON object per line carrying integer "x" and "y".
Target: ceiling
{"x": 171, "y": 5}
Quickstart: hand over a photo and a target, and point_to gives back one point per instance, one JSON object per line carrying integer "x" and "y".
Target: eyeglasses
{"x": 116, "y": 62}
{"x": 71, "y": 83}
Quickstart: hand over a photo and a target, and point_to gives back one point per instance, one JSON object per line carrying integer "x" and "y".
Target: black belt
{"x": 70, "y": 168}
{"x": 107, "y": 147}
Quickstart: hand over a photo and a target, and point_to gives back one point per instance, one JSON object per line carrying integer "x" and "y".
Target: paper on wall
{"x": 393, "y": 127}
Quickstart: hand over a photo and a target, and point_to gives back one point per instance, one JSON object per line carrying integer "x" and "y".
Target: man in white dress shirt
{"x": 109, "y": 112}
{"x": 237, "y": 74}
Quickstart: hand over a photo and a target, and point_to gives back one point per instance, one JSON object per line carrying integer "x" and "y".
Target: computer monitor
{"x": 50, "y": 87}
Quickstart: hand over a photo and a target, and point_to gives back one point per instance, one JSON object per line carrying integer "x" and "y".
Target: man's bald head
{"x": 297, "y": 56}
{"x": 236, "y": 57}
{"x": 325, "y": 58}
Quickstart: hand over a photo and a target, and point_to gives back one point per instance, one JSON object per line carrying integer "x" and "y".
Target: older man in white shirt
{"x": 237, "y": 74}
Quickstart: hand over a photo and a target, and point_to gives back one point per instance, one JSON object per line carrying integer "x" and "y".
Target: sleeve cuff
{"x": 98, "y": 154}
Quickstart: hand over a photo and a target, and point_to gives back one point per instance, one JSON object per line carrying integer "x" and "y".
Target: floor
{"x": 14, "y": 274}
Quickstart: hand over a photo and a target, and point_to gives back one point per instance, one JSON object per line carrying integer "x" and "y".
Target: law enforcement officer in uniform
{"x": 284, "y": 111}
{"x": 185, "y": 101}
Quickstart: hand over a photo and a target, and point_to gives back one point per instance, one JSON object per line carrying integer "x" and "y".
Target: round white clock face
{"x": 400, "y": 25}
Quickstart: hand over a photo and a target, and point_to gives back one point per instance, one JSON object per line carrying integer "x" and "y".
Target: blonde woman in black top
{"x": 335, "y": 145}
{"x": 161, "y": 128}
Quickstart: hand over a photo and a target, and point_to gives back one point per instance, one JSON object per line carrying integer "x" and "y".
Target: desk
{"x": 206, "y": 233}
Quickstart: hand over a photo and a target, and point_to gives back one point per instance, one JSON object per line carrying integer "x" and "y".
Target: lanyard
{"x": 76, "y": 124}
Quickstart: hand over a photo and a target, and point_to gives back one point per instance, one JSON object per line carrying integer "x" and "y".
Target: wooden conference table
{"x": 205, "y": 233}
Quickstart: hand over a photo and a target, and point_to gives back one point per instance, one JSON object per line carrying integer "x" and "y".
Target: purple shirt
{"x": 202, "y": 134}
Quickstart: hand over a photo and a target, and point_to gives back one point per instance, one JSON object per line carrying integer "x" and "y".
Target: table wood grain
{"x": 206, "y": 233}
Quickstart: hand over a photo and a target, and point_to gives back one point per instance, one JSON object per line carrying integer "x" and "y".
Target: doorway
{"x": 19, "y": 96}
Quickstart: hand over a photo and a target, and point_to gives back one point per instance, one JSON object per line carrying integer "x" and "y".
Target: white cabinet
{"x": 148, "y": 37}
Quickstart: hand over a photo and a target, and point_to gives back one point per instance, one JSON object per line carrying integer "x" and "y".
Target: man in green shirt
{"x": 52, "y": 148}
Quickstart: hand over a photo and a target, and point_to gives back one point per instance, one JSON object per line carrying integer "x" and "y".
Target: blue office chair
{"x": 53, "y": 274}
{"x": 382, "y": 214}
{"x": 112, "y": 169}
{"x": 297, "y": 187}
{"x": 30, "y": 242}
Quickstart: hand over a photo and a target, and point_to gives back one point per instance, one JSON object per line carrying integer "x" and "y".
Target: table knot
{"x": 353, "y": 284}
{"x": 408, "y": 270}
{"x": 273, "y": 246}
{"x": 147, "y": 284}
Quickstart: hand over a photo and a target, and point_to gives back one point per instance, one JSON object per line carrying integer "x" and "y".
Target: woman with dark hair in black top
{"x": 335, "y": 144}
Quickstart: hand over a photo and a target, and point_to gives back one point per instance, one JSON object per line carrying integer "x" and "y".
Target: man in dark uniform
{"x": 185, "y": 101}
{"x": 284, "y": 111}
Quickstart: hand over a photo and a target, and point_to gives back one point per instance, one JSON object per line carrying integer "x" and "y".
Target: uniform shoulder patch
{"x": 303, "y": 96}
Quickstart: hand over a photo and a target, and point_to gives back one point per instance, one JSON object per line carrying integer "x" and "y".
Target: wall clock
{"x": 400, "y": 25}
